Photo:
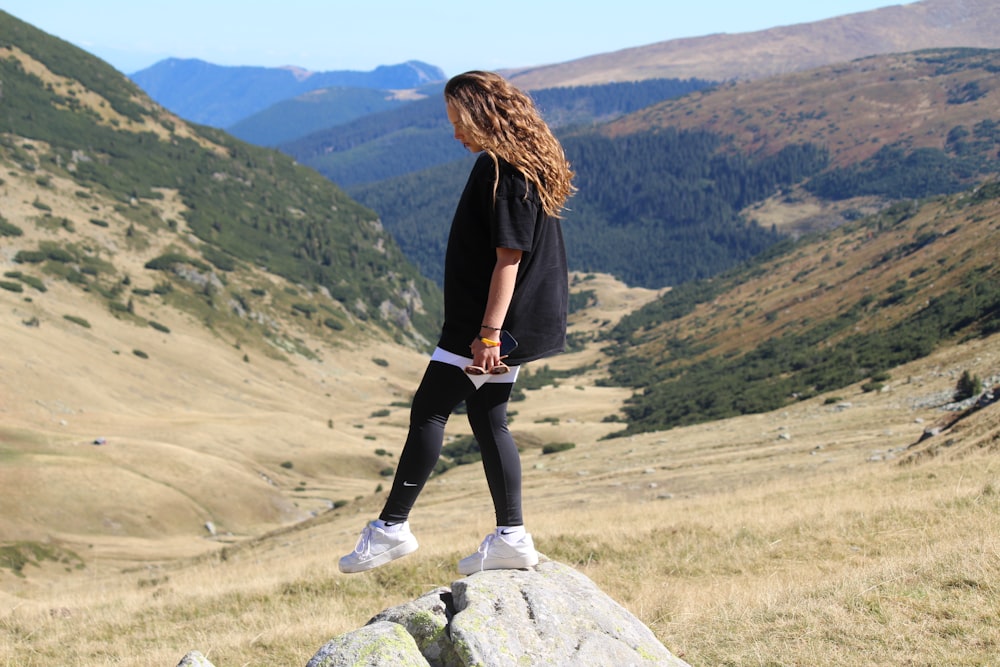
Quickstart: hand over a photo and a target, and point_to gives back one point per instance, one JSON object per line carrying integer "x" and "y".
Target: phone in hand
{"x": 507, "y": 344}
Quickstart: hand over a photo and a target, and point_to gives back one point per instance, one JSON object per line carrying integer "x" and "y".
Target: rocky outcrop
{"x": 548, "y": 615}
{"x": 194, "y": 659}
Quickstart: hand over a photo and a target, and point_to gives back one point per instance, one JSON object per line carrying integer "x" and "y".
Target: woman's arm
{"x": 501, "y": 292}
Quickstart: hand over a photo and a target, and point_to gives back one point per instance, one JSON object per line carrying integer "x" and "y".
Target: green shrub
{"x": 60, "y": 255}
{"x": 99, "y": 222}
{"x": 462, "y": 451}
{"x": 140, "y": 354}
{"x": 968, "y": 386}
{"x": 167, "y": 261}
{"x": 159, "y": 327}
{"x": 380, "y": 362}
{"x": 11, "y": 286}
{"x": 77, "y": 320}
{"x": 287, "y": 465}
{"x": 218, "y": 258}
{"x": 29, "y": 257}
{"x": 27, "y": 280}
{"x": 7, "y": 229}
{"x": 14, "y": 556}
{"x": 305, "y": 308}
{"x": 384, "y": 412}
{"x": 555, "y": 447}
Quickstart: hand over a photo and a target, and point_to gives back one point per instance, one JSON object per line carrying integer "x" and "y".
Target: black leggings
{"x": 445, "y": 386}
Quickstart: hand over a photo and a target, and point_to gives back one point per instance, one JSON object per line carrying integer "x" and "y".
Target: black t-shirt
{"x": 537, "y": 314}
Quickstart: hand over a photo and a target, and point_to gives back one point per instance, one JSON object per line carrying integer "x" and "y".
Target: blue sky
{"x": 363, "y": 34}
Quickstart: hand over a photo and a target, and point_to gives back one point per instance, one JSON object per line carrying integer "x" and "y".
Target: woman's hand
{"x": 485, "y": 356}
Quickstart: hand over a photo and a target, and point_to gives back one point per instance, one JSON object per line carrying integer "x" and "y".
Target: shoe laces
{"x": 364, "y": 545}
{"x": 484, "y": 549}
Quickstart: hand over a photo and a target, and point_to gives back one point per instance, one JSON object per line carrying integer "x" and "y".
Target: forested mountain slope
{"x": 674, "y": 192}
{"x": 418, "y": 135}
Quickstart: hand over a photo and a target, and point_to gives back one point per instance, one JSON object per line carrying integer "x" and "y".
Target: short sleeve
{"x": 515, "y": 213}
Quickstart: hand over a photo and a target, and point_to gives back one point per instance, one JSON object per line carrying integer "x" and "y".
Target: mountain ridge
{"x": 220, "y": 96}
{"x": 760, "y": 54}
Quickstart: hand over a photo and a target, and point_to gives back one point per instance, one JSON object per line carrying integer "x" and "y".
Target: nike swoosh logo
{"x": 408, "y": 484}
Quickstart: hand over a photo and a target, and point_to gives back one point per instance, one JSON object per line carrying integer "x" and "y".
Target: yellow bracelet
{"x": 489, "y": 343}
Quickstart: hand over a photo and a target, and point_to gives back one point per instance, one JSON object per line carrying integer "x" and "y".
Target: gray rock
{"x": 548, "y": 615}
{"x": 379, "y": 644}
{"x": 552, "y": 615}
{"x": 194, "y": 659}
{"x": 427, "y": 620}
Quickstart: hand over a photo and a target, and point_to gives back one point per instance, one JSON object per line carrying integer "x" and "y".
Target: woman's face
{"x": 461, "y": 134}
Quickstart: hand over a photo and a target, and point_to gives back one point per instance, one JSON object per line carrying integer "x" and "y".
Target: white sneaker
{"x": 495, "y": 553}
{"x": 377, "y": 546}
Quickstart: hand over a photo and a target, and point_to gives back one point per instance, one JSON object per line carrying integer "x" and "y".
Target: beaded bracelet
{"x": 486, "y": 326}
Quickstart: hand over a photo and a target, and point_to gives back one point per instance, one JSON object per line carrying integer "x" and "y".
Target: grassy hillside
{"x": 160, "y": 282}
{"x": 733, "y": 540}
{"x": 895, "y": 127}
{"x": 845, "y": 306}
{"x": 855, "y": 109}
{"x": 82, "y": 132}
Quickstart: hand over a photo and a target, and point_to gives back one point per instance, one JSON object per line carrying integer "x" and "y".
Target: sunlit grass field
{"x": 738, "y": 553}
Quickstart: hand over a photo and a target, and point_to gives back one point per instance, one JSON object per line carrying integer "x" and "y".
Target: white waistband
{"x": 461, "y": 362}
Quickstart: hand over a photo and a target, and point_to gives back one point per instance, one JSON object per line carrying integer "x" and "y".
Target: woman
{"x": 505, "y": 280}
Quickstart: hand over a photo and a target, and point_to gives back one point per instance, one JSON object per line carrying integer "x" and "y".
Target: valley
{"x": 209, "y": 350}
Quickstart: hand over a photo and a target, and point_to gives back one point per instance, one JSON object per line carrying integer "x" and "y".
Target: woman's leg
{"x": 487, "y": 410}
{"x": 443, "y": 387}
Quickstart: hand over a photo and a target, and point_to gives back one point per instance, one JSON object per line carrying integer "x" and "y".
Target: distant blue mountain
{"x": 316, "y": 110}
{"x": 221, "y": 96}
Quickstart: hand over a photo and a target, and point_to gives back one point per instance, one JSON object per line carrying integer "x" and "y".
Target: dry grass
{"x": 736, "y": 545}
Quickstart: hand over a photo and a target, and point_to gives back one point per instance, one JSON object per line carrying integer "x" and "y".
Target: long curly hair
{"x": 505, "y": 123}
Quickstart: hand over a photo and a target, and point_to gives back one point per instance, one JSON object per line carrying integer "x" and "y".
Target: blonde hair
{"x": 505, "y": 123}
